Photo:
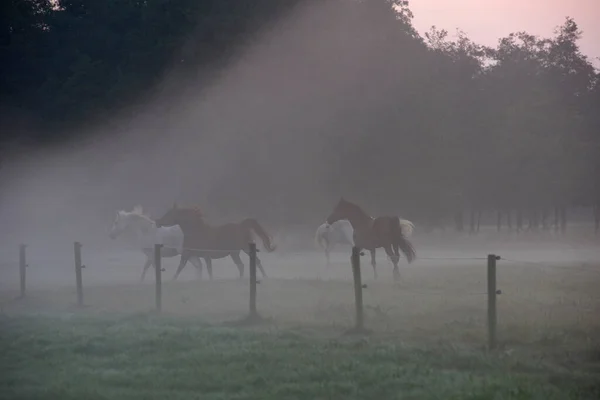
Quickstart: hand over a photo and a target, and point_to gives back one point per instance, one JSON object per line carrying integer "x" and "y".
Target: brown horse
{"x": 371, "y": 233}
{"x": 214, "y": 242}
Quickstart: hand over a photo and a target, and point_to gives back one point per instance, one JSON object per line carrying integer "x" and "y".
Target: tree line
{"x": 428, "y": 126}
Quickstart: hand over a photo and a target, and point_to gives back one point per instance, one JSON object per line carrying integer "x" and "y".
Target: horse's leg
{"x": 327, "y": 251}
{"x": 238, "y": 262}
{"x": 260, "y": 267}
{"x": 394, "y": 255}
{"x": 198, "y": 264}
{"x": 147, "y": 265}
{"x": 373, "y": 263}
{"x": 185, "y": 256}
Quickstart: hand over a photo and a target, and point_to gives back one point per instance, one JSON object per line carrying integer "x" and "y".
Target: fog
{"x": 185, "y": 147}
{"x": 248, "y": 142}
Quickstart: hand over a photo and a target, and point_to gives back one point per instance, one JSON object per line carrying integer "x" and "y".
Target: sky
{"x": 485, "y": 21}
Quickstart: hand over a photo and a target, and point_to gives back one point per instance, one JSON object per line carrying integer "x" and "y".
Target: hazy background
{"x": 276, "y": 109}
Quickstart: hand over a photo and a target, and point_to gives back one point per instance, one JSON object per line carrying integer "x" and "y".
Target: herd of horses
{"x": 184, "y": 231}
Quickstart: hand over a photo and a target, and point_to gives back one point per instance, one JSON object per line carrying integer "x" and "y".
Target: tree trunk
{"x": 534, "y": 221}
{"x": 472, "y": 222}
{"x": 545, "y": 219}
{"x": 499, "y": 221}
{"x": 458, "y": 221}
{"x": 519, "y": 220}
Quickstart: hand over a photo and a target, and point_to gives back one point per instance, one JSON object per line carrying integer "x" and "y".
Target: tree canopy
{"x": 422, "y": 125}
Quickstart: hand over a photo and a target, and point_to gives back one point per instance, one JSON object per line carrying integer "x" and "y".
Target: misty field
{"x": 427, "y": 334}
{"x": 145, "y": 357}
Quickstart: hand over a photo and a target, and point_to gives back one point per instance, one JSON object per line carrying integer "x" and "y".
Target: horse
{"x": 371, "y": 233}
{"x": 214, "y": 242}
{"x": 340, "y": 232}
{"x": 147, "y": 234}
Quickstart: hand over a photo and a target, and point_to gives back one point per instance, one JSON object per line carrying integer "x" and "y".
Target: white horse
{"x": 146, "y": 234}
{"x": 327, "y": 236}
{"x": 341, "y": 232}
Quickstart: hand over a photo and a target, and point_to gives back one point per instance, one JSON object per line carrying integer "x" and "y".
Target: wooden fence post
{"x": 78, "y": 268}
{"x": 158, "y": 275}
{"x": 22, "y": 269}
{"x": 491, "y": 293}
{"x": 252, "y": 253}
{"x": 358, "y": 299}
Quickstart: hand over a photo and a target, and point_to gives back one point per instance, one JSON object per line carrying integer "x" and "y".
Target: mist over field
{"x": 275, "y": 111}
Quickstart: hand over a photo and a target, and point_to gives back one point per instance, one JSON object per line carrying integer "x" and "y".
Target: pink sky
{"x": 485, "y": 21}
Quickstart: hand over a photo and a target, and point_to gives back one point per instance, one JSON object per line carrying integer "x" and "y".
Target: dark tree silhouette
{"x": 438, "y": 130}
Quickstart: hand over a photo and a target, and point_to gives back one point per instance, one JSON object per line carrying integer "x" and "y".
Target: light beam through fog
{"x": 247, "y": 143}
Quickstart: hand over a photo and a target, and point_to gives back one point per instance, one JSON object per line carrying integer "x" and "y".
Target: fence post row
{"x": 491, "y": 294}
{"x": 252, "y": 253}
{"x": 78, "y": 277}
{"x": 358, "y": 299}
{"x": 22, "y": 268}
{"x": 158, "y": 275}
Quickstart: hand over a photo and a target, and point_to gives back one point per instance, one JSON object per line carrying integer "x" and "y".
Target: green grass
{"x": 148, "y": 357}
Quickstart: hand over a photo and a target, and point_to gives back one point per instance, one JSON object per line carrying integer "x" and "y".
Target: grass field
{"x": 144, "y": 357}
{"x": 427, "y": 338}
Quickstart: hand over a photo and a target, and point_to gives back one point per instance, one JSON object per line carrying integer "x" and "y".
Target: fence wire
{"x": 451, "y": 258}
{"x": 548, "y": 264}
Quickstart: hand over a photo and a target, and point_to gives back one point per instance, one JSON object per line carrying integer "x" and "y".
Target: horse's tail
{"x": 407, "y": 227}
{"x": 401, "y": 240}
{"x": 252, "y": 224}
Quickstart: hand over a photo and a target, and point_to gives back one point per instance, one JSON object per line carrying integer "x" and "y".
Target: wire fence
{"x": 491, "y": 262}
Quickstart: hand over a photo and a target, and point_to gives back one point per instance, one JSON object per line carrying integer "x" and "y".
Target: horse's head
{"x": 129, "y": 221}
{"x": 178, "y": 216}
{"x": 339, "y": 212}
{"x": 119, "y": 225}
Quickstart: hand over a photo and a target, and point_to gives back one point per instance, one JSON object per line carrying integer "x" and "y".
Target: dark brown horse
{"x": 214, "y": 242}
{"x": 371, "y": 233}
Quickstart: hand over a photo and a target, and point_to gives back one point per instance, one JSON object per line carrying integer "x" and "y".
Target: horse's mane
{"x": 355, "y": 207}
{"x": 137, "y": 212}
{"x": 195, "y": 210}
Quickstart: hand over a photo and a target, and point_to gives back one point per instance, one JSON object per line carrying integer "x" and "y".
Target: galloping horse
{"x": 341, "y": 232}
{"x": 146, "y": 234}
{"x": 371, "y": 233}
{"x": 214, "y": 242}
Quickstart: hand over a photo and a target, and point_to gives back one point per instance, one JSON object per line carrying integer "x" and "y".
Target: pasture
{"x": 427, "y": 333}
